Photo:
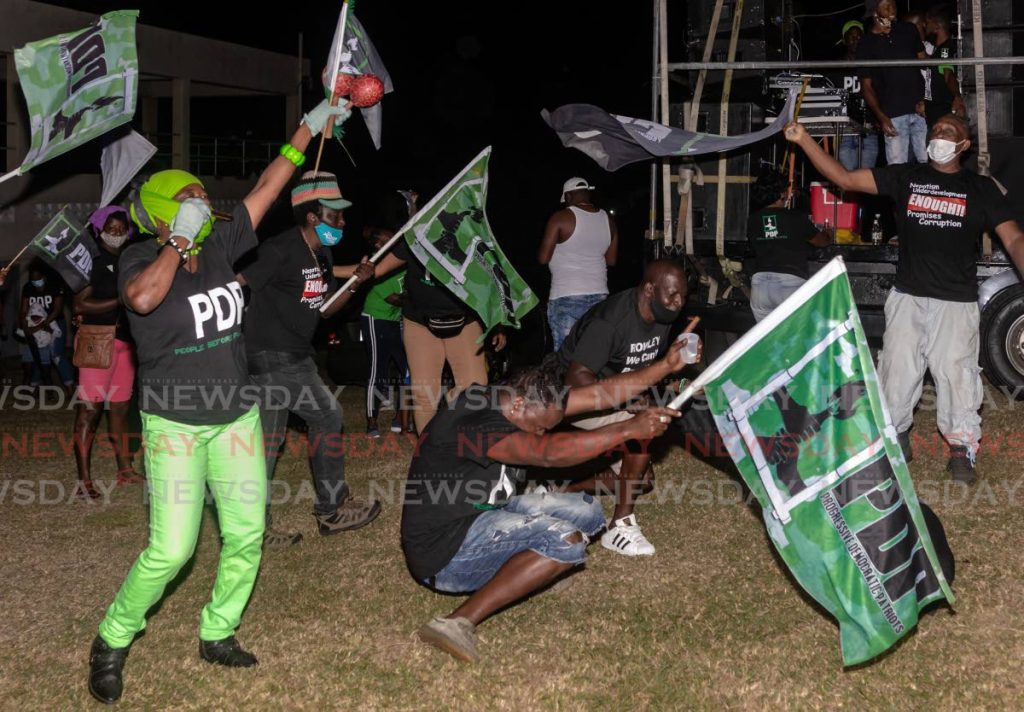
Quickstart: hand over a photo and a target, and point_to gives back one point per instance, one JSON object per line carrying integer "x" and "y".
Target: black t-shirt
{"x": 192, "y": 366}
{"x": 613, "y": 338}
{"x": 289, "y": 285}
{"x": 40, "y": 299}
{"x": 898, "y": 88}
{"x": 103, "y": 281}
{"x": 849, "y": 79}
{"x": 452, "y": 480}
{"x": 942, "y": 97}
{"x": 940, "y": 217}
{"x": 778, "y": 237}
{"x": 426, "y": 297}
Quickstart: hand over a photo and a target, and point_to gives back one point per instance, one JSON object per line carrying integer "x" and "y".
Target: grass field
{"x": 711, "y": 621}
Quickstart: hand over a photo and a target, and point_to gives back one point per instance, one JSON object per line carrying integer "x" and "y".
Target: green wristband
{"x": 293, "y": 154}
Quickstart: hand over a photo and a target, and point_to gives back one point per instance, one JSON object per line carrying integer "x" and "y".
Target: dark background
{"x": 468, "y": 75}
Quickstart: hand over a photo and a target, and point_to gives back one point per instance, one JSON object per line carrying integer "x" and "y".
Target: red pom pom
{"x": 343, "y": 83}
{"x": 367, "y": 90}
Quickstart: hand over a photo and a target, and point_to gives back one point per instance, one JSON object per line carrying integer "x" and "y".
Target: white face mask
{"x": 114, "y": 241}
{"x": 942, "y": 151}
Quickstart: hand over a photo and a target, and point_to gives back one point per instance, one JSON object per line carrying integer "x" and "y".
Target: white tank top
{"x": 577, "y": 265}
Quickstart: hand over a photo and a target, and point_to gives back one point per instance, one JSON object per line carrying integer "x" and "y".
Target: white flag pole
{"x": 335, "y": 66}
{"x": 8, "y": 176}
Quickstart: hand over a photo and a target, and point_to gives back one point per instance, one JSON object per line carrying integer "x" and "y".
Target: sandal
{"x": 85, "y": 490}
{"x": 128, "y": 476}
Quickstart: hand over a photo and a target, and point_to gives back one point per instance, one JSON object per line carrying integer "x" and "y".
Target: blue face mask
{"x": 329, "y": 236}
{"x": 38, "y": 282}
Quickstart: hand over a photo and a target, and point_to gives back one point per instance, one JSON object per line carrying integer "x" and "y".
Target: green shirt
{"x": 376, "y": 304}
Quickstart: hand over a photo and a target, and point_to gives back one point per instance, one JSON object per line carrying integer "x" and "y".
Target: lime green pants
{"x": 181, "y": 462}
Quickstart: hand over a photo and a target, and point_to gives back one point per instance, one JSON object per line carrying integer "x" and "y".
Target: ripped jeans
{"x": 532, "y": 522}
{"x": 942, "y": 337}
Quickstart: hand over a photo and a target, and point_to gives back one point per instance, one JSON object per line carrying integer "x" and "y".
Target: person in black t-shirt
{"x": 931, "y": 316}
{"x": 185, "y": 306}
{"x": 893, "y": 93}
{"x": 858, "y": 149}
{"x": 781, "y": 239}
{"x": 289, "y": 279}
{"x": 624, "y": 333}
{"x": 946, "y": 97}
{"x": 41, "y": 323}
{"x": 98, "y": 305}
{"x": 464, "y": 528}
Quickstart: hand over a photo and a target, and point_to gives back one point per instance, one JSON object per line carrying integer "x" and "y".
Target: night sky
{"x": 468, "y": 75}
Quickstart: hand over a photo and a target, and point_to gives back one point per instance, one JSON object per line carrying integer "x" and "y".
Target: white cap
{"x": 575, "y": 184}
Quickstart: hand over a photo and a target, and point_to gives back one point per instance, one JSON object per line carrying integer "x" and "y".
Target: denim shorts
{"x": 564, "y": 312}
{"x": 533, "y": 522}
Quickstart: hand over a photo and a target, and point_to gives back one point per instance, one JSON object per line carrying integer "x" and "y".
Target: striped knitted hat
{"x": 320, "y": 186}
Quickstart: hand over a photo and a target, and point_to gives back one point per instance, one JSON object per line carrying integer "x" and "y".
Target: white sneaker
{"x": 625, "y": 538}
{"x": 540, "y": 489}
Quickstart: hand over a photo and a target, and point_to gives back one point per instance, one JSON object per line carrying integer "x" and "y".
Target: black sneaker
{"x": 226, "y": 652}
{"x": 105, "y": 665}
{"x": 904, "y": 440}
{"x": 960, "y": 466}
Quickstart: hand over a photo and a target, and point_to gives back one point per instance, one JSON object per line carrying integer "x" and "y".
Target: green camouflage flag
{"x": 453, "y": 240}
{"x": 78, "y": 85}
{"x": 798, "y": 404}
{"x": 65, "y": 246}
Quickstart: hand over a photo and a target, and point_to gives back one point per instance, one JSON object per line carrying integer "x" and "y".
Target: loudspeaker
{"x": 700, "y": 12}
{"x": 743, "y": 118}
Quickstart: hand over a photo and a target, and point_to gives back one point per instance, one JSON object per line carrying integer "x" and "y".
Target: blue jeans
{"x": 566, "y": 311}
{"x": 532, "y": 522}
{"x": 911, "y": 132}
{"x": 866, "y": 145}
{"x": 770, "y": 289}
{"x": 292, "y": 383}
{"x": 55, "y": 353}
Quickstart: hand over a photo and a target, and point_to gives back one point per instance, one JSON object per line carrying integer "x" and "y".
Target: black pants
{"x": 383, "y": 343}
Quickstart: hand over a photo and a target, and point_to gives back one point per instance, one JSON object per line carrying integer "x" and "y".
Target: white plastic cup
{"x": 691, "y": 342}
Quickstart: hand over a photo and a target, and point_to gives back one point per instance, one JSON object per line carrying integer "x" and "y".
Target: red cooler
{"x": 827, "y": 209}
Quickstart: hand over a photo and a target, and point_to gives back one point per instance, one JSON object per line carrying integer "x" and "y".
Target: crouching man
{"x": 464, "y": 528}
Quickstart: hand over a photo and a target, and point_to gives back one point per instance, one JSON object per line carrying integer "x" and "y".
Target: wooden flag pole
{"x": 335, "y": 66}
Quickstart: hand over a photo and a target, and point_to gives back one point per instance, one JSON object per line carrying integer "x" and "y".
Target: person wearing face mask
{"x": 626, "y": 332}
{"x": 41, "y": 322}
{"x": 98, "y": 305}
{"x": 289, "y": 280}
{"x": 931, "y": 315}
{"x": 893, "y": 93}
{"x": 200, "y": 429}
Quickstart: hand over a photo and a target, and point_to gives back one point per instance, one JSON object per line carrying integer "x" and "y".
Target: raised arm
{"x": 860, "y": 180}
{"x": 588, "y": 394}
{"x": 274, "y": 178}
{"x": 572, "y": 448}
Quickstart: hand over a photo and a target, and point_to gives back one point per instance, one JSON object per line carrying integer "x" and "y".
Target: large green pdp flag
{"x": 798, "y": 404}
{"x": 453, "y": 240}
{"x": 78, "y": 85}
